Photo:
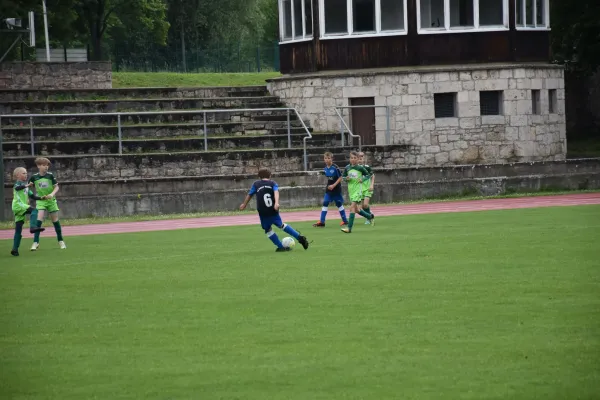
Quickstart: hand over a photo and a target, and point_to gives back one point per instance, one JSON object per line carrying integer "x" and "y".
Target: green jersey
{"x": 355, "y": 175}
{"x": 367, "y": 182}
{"x": 44, "y": 184}
{"x": 21, "y": 195}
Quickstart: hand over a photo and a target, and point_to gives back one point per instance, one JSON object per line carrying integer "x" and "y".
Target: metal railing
{"x": 351, "y": 134}
{"x": 204, "y": 113}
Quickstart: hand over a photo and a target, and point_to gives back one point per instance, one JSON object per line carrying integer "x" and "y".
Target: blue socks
{"x": 340, "y": 207}
{"x": 323, "y": 214}
{"x": 273, "y": 237}
{"x": 290, "y": 231}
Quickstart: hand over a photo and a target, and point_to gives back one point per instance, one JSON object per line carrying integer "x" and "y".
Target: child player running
{"x": 333, "y": 191}
{"x": 21, "y": 208}
{"x": 267, "y": 205}
{"x": 367, "y": 185}
{"x": 46, "y": 187}
{"x": 355, "y": 175}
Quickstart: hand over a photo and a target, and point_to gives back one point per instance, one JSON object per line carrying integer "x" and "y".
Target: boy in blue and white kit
{"x": 333, "y": 192}
{"x": 267, "y": 205}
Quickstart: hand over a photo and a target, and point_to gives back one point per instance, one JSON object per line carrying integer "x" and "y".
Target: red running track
{"x": 295, "y": 216}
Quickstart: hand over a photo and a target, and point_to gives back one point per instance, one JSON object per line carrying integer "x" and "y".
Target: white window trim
{"x": 350, "y": 21}
{"x": 524, "y": 27}
{"x": 293, "y": 39}
{"x": 476, "y": 27}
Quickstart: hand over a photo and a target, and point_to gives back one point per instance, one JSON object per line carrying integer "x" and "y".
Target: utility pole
{"x": 46, "y": 31}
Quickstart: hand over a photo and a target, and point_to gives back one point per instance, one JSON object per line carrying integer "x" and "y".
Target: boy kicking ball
{"x": 46, "y": 188}
{"x": 267, "y": 205}
{"x": 21, "y": 208}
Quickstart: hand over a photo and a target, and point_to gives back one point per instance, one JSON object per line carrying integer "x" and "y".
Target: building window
{"x": 552, "y": 101}
{"x": 462, "y": 15}
{"x": 362, "y": 17}
{"x": 490, "y": 102}
{"x": 296, "y": 19}
{"x": 532, "y": 14}
{"x": 535, "y": 102}
{"x": 445, "y": 105}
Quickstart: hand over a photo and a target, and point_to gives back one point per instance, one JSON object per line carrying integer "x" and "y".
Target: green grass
{"x": 162, "y": 217}
{"x": 486, "y": 305}
{"x": 168, "y": 79}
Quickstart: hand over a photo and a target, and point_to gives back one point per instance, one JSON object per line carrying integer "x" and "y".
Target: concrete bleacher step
{"x": 131, "y": 93}
{"x": 75, "y": 132}
{"x": 125, "y": 105}
{"x": 154, "y": 117}
{"x": 111, "y": 146}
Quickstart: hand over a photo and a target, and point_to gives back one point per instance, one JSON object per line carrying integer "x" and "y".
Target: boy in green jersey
{"x": 355, "y": 175}
{"x": 46, "y": 187}
{"x": 367, "y": 185}
{"x": 21, "y": 208}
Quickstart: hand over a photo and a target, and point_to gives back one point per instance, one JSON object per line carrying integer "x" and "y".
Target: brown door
{"x": 363, "y": 119}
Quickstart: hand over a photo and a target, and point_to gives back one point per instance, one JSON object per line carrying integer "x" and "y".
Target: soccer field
{"x": 483, "y": 305}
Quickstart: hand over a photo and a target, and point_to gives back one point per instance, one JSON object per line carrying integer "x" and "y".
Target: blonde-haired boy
{"x": 21, "y": 208}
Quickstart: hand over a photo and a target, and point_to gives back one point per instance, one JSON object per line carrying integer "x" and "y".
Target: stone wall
{"x": 515, "y": 135}
{"x": 301, "y": 189}
{"x": 56, "y": 75}
{"x": 89, "y": 167}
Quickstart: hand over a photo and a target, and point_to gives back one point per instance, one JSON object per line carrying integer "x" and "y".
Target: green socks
{"x": 33, "y": 219}
{"x": 351, "y": 221}
{"x": 365, "y": 214}
{"x": 58, "y": 230}
{"x": 36, "y": 236}
{"x": 18, "y": 236}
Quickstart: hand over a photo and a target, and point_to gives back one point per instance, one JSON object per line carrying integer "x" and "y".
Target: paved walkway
{"x": 294, "y": 216}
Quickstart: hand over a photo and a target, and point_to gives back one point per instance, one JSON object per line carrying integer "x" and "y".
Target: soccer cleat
{"x": 367, "y": 222}
{"x": 36, "y": 230}
{"x": 303, "y": 241}
{"x": 346, "y": 230}
{"x": 14, "y": 253}
{"x": 35, "y": 246}
{"x": 62, "y": 245}
{"x": 319, "y": 225}
{"x": 282, "y": 249}
{"x": 344, "y": 223}
{"x": 372, "y": 220}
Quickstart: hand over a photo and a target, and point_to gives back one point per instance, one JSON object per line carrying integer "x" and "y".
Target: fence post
{"x": 31, "y": 137}
{"x": 3, "y": 203}
{"x": 342, "y": 126}
{"x": 289, "y": 130}
{"x": 205, "y": 133}
{"x": 120, "y": 133}
{"x": 257, "y": 58}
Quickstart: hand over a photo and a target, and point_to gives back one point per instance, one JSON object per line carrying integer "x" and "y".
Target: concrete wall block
{"x": 421, "y": 112}
{"x": 468, "y": 109}
{"x": 411, "y": 100}
{"x": 444, "y": 87}
{"x": 446, "y": 122}
{"x": 491, "y": 84}
{"x": 417, "y": 88}
{"x": 493, "y": 120}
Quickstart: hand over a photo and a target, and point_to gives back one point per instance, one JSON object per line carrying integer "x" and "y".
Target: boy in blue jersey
{"x": 267, "y": 205}
{"x": 333, "y": 192}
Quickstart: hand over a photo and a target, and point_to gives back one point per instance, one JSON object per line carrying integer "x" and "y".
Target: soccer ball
{"x": 288, "y": 242}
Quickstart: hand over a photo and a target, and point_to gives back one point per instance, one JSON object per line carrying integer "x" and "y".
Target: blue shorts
{"x": 335, "y": 197}
{"x": 267, "y": 222}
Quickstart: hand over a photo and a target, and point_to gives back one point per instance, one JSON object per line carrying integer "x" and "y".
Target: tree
{"x": 97, "y": 16}
{"x": 576, "y": 34}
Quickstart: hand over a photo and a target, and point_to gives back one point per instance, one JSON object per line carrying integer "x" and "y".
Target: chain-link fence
{"x": 222, "y": 58}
